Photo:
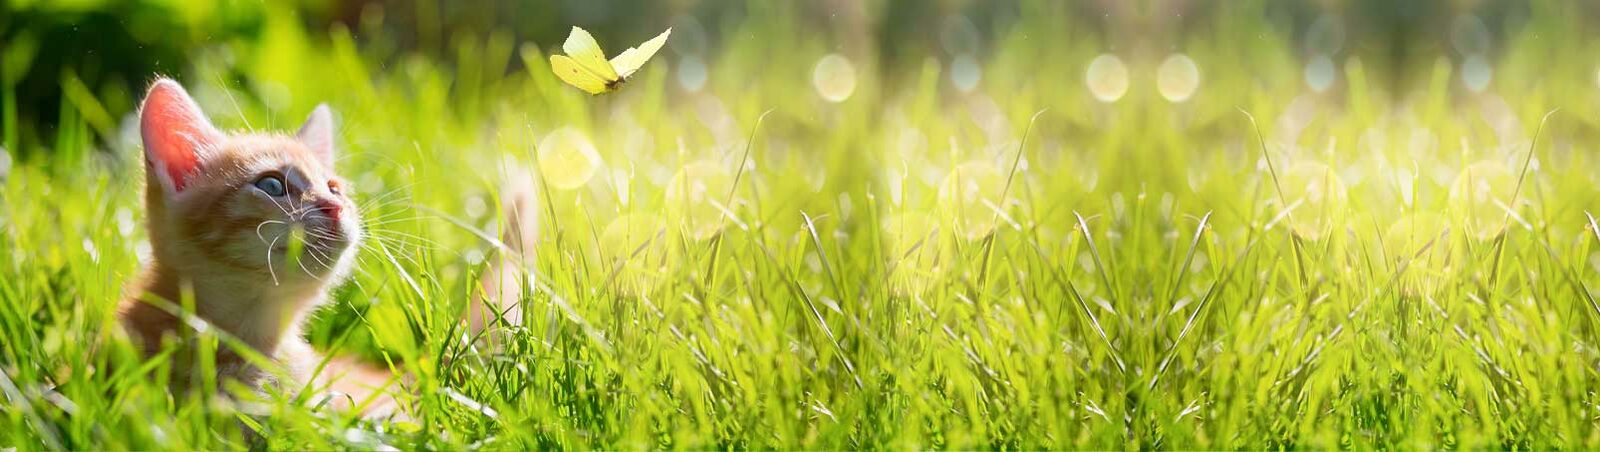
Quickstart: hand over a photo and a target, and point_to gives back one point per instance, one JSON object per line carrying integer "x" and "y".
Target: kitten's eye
{"x": 272, "y": 185}
{"x": 333, "y": 187}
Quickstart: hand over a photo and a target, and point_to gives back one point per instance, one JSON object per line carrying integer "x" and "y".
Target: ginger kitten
{"x": 223, "y": 209}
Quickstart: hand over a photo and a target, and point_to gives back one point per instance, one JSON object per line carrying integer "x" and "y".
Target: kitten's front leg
{"x": 341, "y": 383}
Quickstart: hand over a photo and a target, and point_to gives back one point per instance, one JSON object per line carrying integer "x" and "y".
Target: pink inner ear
{"x": 317, "y": 134}
{"x": 174, "y": 132}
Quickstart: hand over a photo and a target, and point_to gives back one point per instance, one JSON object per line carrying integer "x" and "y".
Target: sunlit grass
{"x": 896, "y": 256}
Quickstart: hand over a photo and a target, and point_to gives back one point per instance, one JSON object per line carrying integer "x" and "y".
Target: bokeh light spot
{"x": 567, "y": 158}
{"x": 1476, "y": 73}
{"x": 688, "y": 36}
{"x": 1177, "y": 78}
{"x": 691, "y": 73}
{"x": 965, "y": 73}
{"x": 1326, "y": 35}
{"x": 1107, "y": 78}
{"x": 834, "y": 78}
{"x": 1320, "y": 73}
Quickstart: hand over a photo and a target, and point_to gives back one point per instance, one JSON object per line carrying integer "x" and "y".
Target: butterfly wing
{"x": 576, "y": 75}
{"x": 629, "y": 61}
{"x": 582, "y": 49}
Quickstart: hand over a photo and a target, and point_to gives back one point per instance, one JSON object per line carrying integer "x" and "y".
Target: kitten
{"x": 223, "y": 209}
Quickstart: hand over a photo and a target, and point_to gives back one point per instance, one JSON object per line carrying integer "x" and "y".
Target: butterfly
{"x": 585, "y": 66}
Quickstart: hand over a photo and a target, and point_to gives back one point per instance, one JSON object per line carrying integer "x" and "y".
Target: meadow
{"x": 1035, "y": 237}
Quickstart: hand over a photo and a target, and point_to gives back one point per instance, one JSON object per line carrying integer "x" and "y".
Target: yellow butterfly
{"x": 585, "y": 65}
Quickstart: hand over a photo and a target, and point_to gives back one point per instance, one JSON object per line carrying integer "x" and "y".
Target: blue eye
{"x": 272, "y": 185}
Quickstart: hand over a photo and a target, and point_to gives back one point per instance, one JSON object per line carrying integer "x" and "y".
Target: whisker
{"x": 385, "y": 206}
{"x": 314, "y": 247}
{"x": 302, "y": 264}
{"x": 270, "y": 270}
{"x": 393, "y": 233}
{"x": 281, "y": 208}
{"x": 264, "y": 223}
{"x": 389, "y": 241}
{"x": 387, "y": 195}
{"x": 384, "y": 221}
{"x": 318, "y": 256}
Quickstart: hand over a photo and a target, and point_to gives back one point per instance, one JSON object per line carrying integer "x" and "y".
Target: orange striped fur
{"x": 218, "y": 237}
{"x": 221, "y": 240}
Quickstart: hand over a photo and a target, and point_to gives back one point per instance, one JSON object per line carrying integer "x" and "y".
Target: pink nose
{"x": 331, "y": 208}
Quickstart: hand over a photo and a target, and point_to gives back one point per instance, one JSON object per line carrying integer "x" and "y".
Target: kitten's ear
{"x": 317, "y": 134}
{"x": 176, "y": 134}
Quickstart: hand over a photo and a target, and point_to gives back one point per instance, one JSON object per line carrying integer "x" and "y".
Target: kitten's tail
{"x": 503, "y": 283}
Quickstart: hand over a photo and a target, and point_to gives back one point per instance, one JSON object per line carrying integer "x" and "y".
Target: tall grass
{"x": 914, "y": 267}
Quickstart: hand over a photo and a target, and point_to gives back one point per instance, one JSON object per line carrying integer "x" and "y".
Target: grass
{"x": 913, "y": 267}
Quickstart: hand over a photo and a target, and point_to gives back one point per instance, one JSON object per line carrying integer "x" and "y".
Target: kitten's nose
{"x": 331, "y": 208}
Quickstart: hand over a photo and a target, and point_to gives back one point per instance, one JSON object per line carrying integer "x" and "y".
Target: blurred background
{"x": 66, "y": 59}
{"x": 1417, "y": 82}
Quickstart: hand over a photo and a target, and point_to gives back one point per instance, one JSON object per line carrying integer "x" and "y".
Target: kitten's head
{"x": 236, "y": 204}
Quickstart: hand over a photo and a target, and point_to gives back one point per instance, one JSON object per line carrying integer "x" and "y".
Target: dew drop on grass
{"x": 567, "y": 158}
{"x": 1107, "y": 78}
